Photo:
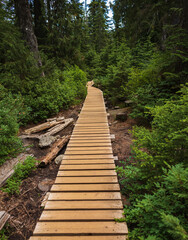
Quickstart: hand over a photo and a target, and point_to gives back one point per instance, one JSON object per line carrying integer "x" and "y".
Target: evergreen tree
{"x": 64, "y": 38}
{"x": 138, "y": 19}
{"x": 97, "y": 22}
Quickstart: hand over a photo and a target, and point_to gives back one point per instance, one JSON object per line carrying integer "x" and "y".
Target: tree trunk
{"x": 40, "y": 23}
{"x": 185, "y": 16}
{"x": 24, "y": 20}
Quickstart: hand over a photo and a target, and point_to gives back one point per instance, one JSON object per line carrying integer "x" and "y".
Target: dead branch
{"x": 42, "y": 127}
{"x": 60, "y": 127}
{"x": 57, "y": 146}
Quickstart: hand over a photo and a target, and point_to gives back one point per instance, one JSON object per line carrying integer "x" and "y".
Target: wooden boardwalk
{"x": 85, "y": 198}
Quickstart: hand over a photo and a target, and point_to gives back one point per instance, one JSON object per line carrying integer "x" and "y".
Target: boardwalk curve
{"x": 85, "y": 198}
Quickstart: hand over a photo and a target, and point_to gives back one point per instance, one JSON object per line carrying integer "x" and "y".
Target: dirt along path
{"x": 123, "y": 139}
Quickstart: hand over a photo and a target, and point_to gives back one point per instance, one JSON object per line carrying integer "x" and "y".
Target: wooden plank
{"x": 91, "y": 161}
{"x": 94, "y": 156}
{"x": 85, "y": 196}
{"x": 84, "y": 187}
{"x": 89, "y": 179}
{"x": 87, "y": 173}
{"x": 91, "y": 134}
{"x": 90, "y": 144}
{"x": 72, "y": 228}
{"x": 94, "y": 110}
{"x": 99, "y": 140}
{"x": 107, "y": 237}
{"x": 95, "y": 131}
{"x": 87, "y": 166}
{"x": 91, "y": 124}
{"x": 88, "y": 152}
{"x": 93, "y": 115}
{"x": 94, "y": 127}
{"x": 99, "y": 205}
{"x": 90, "y": 139}
{"x": 81, "y": 215}
{"x": 92, "y": 120}
{"x": 88, "y": 148}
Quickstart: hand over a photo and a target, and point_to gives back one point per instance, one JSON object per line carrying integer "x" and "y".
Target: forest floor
{"x": 25, "y": 208}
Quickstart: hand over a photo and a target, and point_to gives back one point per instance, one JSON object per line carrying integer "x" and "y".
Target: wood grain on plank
{"x": 80, "y": 215}
{"x": 89, "y": 144}
{"x": 84, "y": 196}
{"x": 91, "y": 161}
{"x": 87, "y": 173}
{"x": 88, "y": 152}
{"x": 102, "y": 237}
{"x": 88, "y": 148}
{"x": 93, "y": 156}
{"x": 87, "y": 179}
{"x": 80, "y": 228}
{"x": 84, "y": 204}
{"x": 89, "y": 166}
{"x": 85, "y": 187}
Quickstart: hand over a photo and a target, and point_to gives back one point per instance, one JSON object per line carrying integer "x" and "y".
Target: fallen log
{"x": 33, "y": 136}
{"x": 57, "y": 146}
{"x": 4, "y": 216}
{"x": 42, "y": 127}
{"x": 7, "y": 169}
{"x": 59, "y": 127}
{"x": 55, "y": 119}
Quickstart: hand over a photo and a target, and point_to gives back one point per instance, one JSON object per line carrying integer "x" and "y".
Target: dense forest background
{"x": 50, "y": 49}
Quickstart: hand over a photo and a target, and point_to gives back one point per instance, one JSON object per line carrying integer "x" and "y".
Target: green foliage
{"x": 12, "y": 111}
{"x": 26, "y": 95}
{"x": 21, "y": 171}
{"x": 155, "y": 177}
{"x": 118, "y": 64}
{"x": 163, "y": 212}
{"x": 119, "y": 219}
{"x": 167, "y": 143}
{"x": 52, "y": 93}
{"x": 97, "y": 22}
{"x": 3, "y": 234}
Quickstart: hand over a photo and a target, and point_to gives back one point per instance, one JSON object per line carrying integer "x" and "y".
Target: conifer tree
{"x": 97, "y": 22}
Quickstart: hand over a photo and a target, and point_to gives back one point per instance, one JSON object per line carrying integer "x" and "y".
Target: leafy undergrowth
{"x": 21, "y": 171}
{"x": 155, "y": 177}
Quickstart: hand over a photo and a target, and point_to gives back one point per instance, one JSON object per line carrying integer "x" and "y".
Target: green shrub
{"x": 3, "y": 234}
{"x": 167, "y": 143}
{"x": 21, "y": 171}
{"x": 155, "y": 178}
{"x": 57, "y": 91}
{"x": 144, "y": 98}
{"x": 11, "y": 111}
{"x": 162, "y": 213}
